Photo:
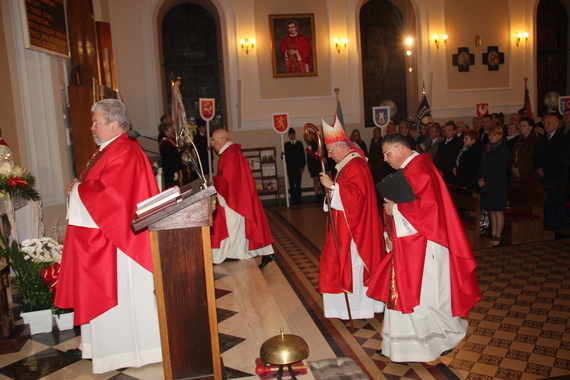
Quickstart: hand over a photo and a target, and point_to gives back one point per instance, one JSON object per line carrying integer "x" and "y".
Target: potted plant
{"x": 36, "y": 266}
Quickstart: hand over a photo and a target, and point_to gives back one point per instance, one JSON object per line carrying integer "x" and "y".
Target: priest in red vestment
{"x": 106, "y": 270}
{"x": 240, "y": 229}
{"x": 351, "y": 255}
{"x": 428, "y": 277}
{"x": 297, "y": 50}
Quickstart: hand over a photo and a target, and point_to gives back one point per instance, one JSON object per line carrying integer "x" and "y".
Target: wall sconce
{"x": 340, "y": 44}
{"x": 247, "y": 45}
{"x": 519, "y": 35}
{"x": 437, "y": 40}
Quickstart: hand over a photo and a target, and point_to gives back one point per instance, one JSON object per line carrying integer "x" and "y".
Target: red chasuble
{"x": 234, "y": 182}
{"x": 360, "y": 222}
{"x": 304, "y": 48}
{"x": 434, "y": 216}
{"x": 120, "y": 178}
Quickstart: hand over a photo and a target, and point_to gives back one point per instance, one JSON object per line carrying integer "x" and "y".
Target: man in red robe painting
{"x": 296, "y": 50}
{"x": 354, "y": 249}
{"x": 106, "y": 270}
{"x": 240, "y": 228}
{"x": 427, "y": 279}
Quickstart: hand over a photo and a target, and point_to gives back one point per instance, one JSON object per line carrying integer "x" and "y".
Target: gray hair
{"x": 113, "y": 110}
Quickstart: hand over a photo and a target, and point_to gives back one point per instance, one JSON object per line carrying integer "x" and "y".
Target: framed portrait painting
{"x": 293, "y": 50}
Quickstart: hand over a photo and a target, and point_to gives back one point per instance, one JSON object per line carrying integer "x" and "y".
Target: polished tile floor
{"x": 520, "y": 330}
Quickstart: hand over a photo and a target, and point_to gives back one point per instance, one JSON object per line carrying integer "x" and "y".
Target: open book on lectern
{"x": 169, "y": 202}
{"x": 396, "y": 188}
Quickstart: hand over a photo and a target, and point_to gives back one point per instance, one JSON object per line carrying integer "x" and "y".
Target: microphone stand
{"x": 203, "y": 184}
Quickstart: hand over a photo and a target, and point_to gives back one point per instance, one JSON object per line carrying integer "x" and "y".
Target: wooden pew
{"x": 526, "y": 212}
{"x": 468, "y": 204}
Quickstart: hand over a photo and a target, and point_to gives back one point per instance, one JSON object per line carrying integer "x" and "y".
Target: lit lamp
{"x": 437, "y": 39}
{"x": 340, "y": 44}
{"x": 409, "y": 42}
{"x": 247, "y": 45}
{"x": 519, "y": 36}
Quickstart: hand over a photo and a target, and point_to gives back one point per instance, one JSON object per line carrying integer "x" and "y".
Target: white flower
{"x": 5, "y": 169}
{"x": 44, "y": 250}
{"x": 19, "y": 171}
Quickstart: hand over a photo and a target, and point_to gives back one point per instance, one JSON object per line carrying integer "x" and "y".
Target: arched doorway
{"x": 382, "y": 34}
{"x": 552, "y": 50}
{"x": 191, "y": 50}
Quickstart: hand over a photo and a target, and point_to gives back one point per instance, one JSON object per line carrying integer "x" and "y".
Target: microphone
{"x": 135, "y": 135}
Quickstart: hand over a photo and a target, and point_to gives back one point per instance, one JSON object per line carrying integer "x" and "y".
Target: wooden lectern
{"x": 184, "y": 284}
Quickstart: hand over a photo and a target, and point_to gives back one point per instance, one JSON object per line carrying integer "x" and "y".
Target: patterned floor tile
{"x": 35, "y": 366}
{"x": 523, "y": 299}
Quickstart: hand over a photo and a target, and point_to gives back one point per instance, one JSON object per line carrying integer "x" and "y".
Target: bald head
{"x": 220, "y": 138}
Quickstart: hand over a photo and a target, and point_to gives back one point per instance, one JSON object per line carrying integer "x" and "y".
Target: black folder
{"x": 396, "y": 188}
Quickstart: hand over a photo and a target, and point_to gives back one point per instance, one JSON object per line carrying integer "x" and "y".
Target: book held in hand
{"x": 396, "y": 188}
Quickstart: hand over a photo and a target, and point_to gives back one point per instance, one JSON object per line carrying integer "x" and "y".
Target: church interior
{"x": 367, "y": 53}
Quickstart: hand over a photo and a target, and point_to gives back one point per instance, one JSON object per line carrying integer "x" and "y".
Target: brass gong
{"x": 284, "y": 349}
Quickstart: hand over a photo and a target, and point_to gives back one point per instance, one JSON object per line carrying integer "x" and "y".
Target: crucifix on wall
{"x": 463, "y": 59}
{"x": 493, "y": 58}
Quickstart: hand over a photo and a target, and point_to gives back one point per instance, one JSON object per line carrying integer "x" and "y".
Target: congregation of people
{"x": 492, "y": 151}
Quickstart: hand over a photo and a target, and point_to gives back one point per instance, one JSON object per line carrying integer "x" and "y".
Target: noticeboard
{"x": 45, "y": 27}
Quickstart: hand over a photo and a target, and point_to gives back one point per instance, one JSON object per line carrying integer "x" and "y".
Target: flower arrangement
{"x": 43, "y": 250}
{"x": 17, "y": 181}
{"x": 36, "y": 265}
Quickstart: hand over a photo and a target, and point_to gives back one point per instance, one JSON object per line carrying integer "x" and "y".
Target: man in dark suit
{"x": 447, "y": 152}
{"x": 295, "y": 159}
{"x": 487, "y": 122}
{"x": 375, "y": 156}
{"x": 433, "y": 141}
{"x": 201, "y": 142}
{"x": 404, "y": 129}
{"x": 551, "y": 163}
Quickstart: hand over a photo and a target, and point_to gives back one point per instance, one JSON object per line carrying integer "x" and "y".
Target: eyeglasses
{"x": 212, "y": 140}
{"x": 329, "y": 151}
{"x": 386, "y": 153}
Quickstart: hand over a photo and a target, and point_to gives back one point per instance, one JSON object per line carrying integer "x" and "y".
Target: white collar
{"x": 225, "y": 147}
{"x": 103, "y": 145}
{"x": 352, "y": 154}
{"x": 412, "y": 156}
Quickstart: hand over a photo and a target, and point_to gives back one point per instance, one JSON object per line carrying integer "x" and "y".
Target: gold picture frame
{"x": 293, "y": 42}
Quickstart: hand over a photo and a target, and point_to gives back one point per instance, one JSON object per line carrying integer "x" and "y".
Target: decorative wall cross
{"x": 463, "y": 59}
{"x": 493, "y": 58}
